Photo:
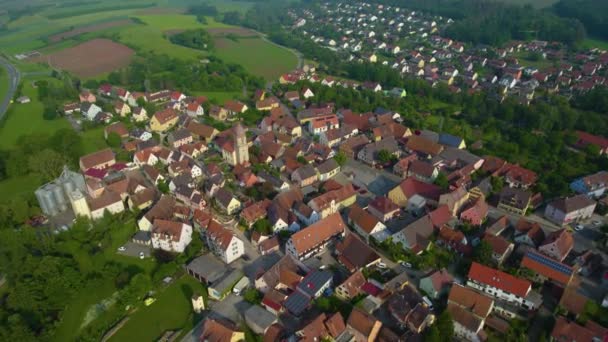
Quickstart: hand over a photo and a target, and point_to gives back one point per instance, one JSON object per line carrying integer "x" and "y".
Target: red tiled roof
{"x": 499, "y": 279}
{"x": 440, "y": 216}
{"x": 411, "y": 187}
{"x": 559, "y": 272}
{"x": 315, "y": 234}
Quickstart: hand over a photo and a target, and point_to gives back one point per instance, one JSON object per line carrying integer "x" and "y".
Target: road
{"x": 14, "y": 77}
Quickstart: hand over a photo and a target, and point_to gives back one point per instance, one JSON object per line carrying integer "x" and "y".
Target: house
{"x": 503, "y": 286}
{"x": 221, "y": 241}
{"x": 544, "y": 268}
{"x": 351, "y": 287}
{"x": 469, "y": 310}
{"x": 557, "y": 245}
{"x": 90, "y": 110}
{"x": 453, "y": 240}
{"x": 235, "y": 107}
{"x": 179, "y": 138}
{"x": 363, "y": 326}
{"x": 515, "y": 200}
{"x": 449, "y": 140}
{"x": 592, "y": 185}
{"x": 327, "y": 169}
{"x": 87, "y": 96}
{"x": 307, "y": 93}
{"x": 333, "y": 200}
{"x": 569, "y": 210}
{"x": 314, "y": 238}
{"x": 259, "y": 319}
{"x": 411, "y": 187}
{"x": 416, "y": 236}
{"x": 163, "y": 120}
{"x": 312, "y": 286}
{"x": 322, "y": 327}
{"x": 322, "y": 124}
{"x": 355, "y": 254}
{"x": 566, "y": 331}
{"x": 366, "y": 224}
{"x": 202, "y": 132}
{"x": 117, "y": 128}
{"x": 234, "y": 147}
{"x": 267, "y": 104}
{"x": 139, "y": 114}
{"x": 408, "y": 309}
{"x": 370, "y": 153}
{"x": 437, "y": 283}
{"x": 476, "y": 213}
{"x": 529, "y": 233}
{"x": 501, "y": 247}
{"x": 383, "y": 208}
{"x": 422, "y": 171}
{"x": 215, "y": 330}
{"x": 121, "y": 108}
{"x": 455, "y": 200}
{"x": 519, "y": 177}
{"x": 585, "y": 139}
{"x": 218, "y": 113}
{"x": 305, "y": 175}
{"x": 227, "y": 202}
{"x": 70, "y": 108}
{"x": 97, "y": 160}
{"x": 282, "y": 218}
{"x": 422, "y": 146}
{"x": 171, "y": 236}
{"x": 194, "y": 109}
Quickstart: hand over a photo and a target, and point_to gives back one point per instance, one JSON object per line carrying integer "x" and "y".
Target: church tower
{"x": 240, "y": 145}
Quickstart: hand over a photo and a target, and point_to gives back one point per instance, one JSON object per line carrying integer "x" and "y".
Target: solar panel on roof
{"x": 543, "y": 260}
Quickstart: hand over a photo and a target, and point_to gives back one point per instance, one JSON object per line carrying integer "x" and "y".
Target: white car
{"x": 405, "y": 264}
{"x": 122, "y": 248}
{"x": 381, "y": 265}
{"x": 579, "y": 227}
{"x": 142, "y": 255}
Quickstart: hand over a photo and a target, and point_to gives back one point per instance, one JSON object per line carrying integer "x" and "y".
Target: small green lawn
{"x": 219, "y": 96}
{"x": 93, "y": 140}
{"x": 22, "y": 119}
{"x": 591, "y": 43}
{"x": 171, "y": 311}
{"x": 525, "y": 60}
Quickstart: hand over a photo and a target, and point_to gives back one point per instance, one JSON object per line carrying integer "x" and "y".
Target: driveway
{"x": 133, "y": 249}
{"x": 13, "y": 79}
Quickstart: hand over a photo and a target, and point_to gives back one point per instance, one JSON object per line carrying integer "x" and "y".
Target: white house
{"x": 171, "y": 236}
{"x": 568, "y": 210}
{"x": 307, "y": 93}
{"x": 503, "y": 286}
{"x": 223, "y": 243}
{"x": 90, "y": 110}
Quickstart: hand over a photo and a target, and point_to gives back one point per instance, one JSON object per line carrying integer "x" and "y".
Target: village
{"x": 319, "y": 222}
{"x": 409, "y": 43}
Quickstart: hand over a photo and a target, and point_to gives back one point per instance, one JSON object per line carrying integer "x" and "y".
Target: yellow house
{"x": 410, "y": 187}
{"x": 397, "y": 196}
{"x": 221, "y": 330}
{"x": 455, "y": 200}
{"x": 333, "y": 201}
{"x": 164, "y": 120}
{"x": 373, "y": 58}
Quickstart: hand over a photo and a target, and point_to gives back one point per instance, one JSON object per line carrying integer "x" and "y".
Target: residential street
{"x": 13, "y": 79}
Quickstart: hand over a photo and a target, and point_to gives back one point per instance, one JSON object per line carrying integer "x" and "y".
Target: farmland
{"x": 89, "y": 59}
{"x": 90, "y": 28}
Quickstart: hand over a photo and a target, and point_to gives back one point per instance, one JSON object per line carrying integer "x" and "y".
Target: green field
{"x": 219, "y": 96}
{"x": 171, "y": 311}
{"x": 534, "y": 3}
{"x": 22, "y": 119}
{"x": 93, "y": 140}
{"x": 591, "y": 43}
{"x": 4, "y": 82}
{"x": 526, "y": 61}
{"x": 258, "y": 56}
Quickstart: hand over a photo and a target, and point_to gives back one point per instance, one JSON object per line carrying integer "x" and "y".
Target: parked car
{"x": 142, "y": 255}
{"x": 405, "y": 264}
{"x": 122, "y": 248}
{"x": 381, "y": 265}
{"x": 579, "y": 227}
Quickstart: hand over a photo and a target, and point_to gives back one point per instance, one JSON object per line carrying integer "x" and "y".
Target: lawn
{"x": 525, "y": 60}
{"x": 4, "y": 82}
{"x": 171, "y": 311}
{"x": 591, "y": 43}
{"x": 257, "y": 56}
{"x": 219, "y": 96}
{"x": 93, "y": 140}
{"x": 16, "y": 186}
{"x": 22, "y": 119}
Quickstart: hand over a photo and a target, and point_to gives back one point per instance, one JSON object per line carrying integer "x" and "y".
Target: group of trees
{"x": 592, "y": 13}
{"x": 153, "y": 71}
{"x": 54, "y": 92}
{"x": 198, "y": 39}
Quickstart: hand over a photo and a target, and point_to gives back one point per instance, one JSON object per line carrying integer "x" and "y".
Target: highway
{"x": 14, "y": 77}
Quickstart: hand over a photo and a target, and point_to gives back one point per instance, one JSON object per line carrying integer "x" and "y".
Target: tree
{"x": 483, "y": 253}
{"x": 497, "y": 184}
{"x": 47, "y": 163}
{"x": 384, "y": 156}
{"x": 50, "y": 111}
{"x": 114, "y": 140}
{"x": 253, "y": 296}
{"x": 445, "y": 325}
{"x": 341, "y": 158}
{"x": 442, "y": 181}
{"x": 302, "y": 160}
{"x": 263, "y": 226}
